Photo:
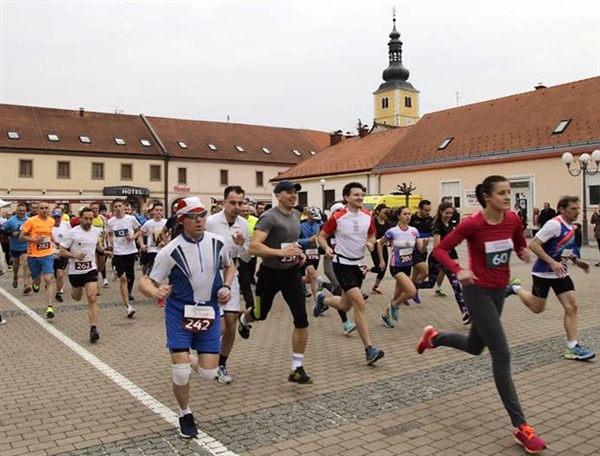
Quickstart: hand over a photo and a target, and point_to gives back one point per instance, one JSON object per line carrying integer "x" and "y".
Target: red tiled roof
{"x": 226, "y": 136}
{"x": 33, "y": 124}
{"x": 348, "y": 156}
{"x": 517, "y": 125}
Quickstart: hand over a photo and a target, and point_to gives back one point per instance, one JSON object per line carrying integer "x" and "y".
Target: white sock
{"x": 243, "y": 319}
{"x": 184, "y": 412}
{"x": 297, "y": 359}
{"x": 571, "y": 343}
{"x": 516, "y": 288}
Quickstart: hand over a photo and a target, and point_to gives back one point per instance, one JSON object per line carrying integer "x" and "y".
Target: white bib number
{"x": 312, "y": 254}
{"x": 497, "y": 253}
{"x": 287, "y": 259}
{"x": 43, "y": 245}
{"x": 83, "y": 265}
{"x": 198, "y": 318}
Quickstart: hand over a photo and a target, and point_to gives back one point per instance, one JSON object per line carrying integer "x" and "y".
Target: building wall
{"x": 397, "y": 113}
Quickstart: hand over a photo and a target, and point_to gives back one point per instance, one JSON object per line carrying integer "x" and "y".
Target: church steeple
{"x": 396, "y": 100}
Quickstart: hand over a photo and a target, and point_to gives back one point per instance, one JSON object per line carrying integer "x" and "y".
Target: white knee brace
{"x": 207, "y": 374}
{"x": 181, "y": 373}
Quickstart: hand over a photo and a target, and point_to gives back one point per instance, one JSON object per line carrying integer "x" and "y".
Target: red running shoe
{"x": 526, "y": 436}
{"x": 425, "y": 342}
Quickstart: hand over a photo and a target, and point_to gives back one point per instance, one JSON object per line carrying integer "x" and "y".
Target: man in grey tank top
{"x": 275, "y": 241}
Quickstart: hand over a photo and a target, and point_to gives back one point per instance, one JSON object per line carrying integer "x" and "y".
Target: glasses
{"x": 195, "y": 215}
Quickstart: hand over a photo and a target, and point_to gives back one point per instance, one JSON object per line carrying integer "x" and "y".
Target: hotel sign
{"x": 125, "y": 191}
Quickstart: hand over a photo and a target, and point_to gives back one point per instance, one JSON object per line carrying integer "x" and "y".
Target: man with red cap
{"x": 200, "y": 272}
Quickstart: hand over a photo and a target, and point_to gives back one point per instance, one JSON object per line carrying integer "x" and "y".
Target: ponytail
{"x": 486, "y": 188}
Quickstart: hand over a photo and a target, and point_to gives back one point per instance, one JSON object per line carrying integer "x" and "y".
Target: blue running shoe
{"x": 373, "y": 354}
{"x": 387, "y": 321}
{"x": 349, "y": 326}
{"x": 393, "y": 308}
{"x": 416, "y": 299}
{"x": 579, "y": 353}
{"x": 320, "y": 281}
{"x": 319, "y": 306}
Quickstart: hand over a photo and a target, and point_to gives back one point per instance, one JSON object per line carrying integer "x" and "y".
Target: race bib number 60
{"x": 497, "y": 253}
{"x": 198, "y": 318}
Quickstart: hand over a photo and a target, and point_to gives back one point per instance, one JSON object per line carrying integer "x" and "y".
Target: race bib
{"x": 121, "y": 233}
{"x": 198, "y": 318}
{"x": 83, "y": 265}
{"x": 497, "y": 253}
{"x": 287, "y": 259}
{"x": 405, "y": 257}
{"x": 312, "y": 254}
{"x": 42, "y": 245}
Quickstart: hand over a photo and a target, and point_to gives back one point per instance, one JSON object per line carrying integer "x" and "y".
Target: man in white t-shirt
{"x": 80, "y": 246}
{"x": 233, "y": 228}
{"x": 151, "y": 231}
{"x": 122, "y": 232}
{"x": 60, "y": 230}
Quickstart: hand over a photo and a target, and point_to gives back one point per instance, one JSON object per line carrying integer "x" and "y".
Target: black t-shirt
{"x": 423, "y": 224}
{"x": 174, "y": 226}
{"x": 443, "y": 231}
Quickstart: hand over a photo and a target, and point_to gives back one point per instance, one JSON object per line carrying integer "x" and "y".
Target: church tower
{"x": 396, "y": 100}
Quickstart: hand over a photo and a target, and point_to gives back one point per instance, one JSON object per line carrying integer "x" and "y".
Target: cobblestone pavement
{"x": 55, "y": 402}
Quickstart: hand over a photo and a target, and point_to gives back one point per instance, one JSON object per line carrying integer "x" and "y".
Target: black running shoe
{"x": 49, "y": 312}
{"x": 187, "y": 426}
{"x": 35, "y": 287}
{"x": 300, "y": 376}
{"x": 243, "y": 330}
{"x": 58, "y": 297}
{"x": 94, "y": 335}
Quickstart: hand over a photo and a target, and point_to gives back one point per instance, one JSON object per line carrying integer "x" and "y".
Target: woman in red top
{"x": 492, "y": 235}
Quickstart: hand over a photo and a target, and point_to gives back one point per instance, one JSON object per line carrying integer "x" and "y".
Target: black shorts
{"x": 419, "y": 257}
{"x": 397, "y": 270}
{"x": 79, "y": 280}
{"x": 124, "y": 264}
{"x": 541, "y": 286}
{"x": 289, "y": 282}
{"x": 349, "y": 276}
{"x": 313, "y": 263}
{"x": 147, "y": 259}
{"x": 60, "y": 263}
{"x": 17, "y": 253}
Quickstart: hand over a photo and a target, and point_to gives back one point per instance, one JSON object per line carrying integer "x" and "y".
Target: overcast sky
{"x": 286, "y": 63}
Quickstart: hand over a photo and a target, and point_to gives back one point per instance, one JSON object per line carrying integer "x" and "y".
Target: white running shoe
{"x": 130, "y": 312}
{"x": 105, "y": 283}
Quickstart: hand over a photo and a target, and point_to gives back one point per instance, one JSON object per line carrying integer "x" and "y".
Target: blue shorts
{"x": 41, "y": 265}
{"x": 204, "y": 341}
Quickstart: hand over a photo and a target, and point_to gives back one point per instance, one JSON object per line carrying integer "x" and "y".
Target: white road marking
{"x": 205, "y": 441}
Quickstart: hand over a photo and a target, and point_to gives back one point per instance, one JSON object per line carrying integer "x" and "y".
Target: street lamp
{"x": 323, "y": 182}
{"x": 581, "y": 167}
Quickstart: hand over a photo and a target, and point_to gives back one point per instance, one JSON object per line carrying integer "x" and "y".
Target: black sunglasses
{"x": 195, "y": 215}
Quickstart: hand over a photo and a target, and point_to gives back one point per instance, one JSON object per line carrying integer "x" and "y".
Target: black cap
{"x": 286, "y": 186}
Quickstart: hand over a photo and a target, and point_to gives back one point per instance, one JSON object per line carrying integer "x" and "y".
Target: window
{"x": 25, "y": 168}
{"x": 594, "y": 194}
{"x": 182, "y": 144}
{"x": 562, "y": 126}
{"x": 52, "y": 137}
{"x": 145, "y": 143}
{"x": 98, "y": 171}
{"x": 445, "y": 143}
{"x": 126, "y": 171}
{"x": 297, "y": 153}
{"x": 182, "y": 175}
{"x": 85, "y": 139}
{"x": 63, "y": 170}
{"x": 13, "y": 135}
{"x": 265, "y": 150}
{"x": 212, "y": 147}
{"x": 240, "y": 149}
{"x": 224, "y": 177}
{"x": 260, "y": 179}
{"x": 155, "y": 173}
{"x": 303, "y": 199}
{"x": 329, "y": 197}
{"x": 385, "y": 103}
{"x": 408, "y": 102}
{"x": 120, "y": 141}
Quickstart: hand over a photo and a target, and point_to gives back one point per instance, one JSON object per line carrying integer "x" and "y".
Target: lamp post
{"x": 581, "y": 167}
{"x": 322, "y": 182}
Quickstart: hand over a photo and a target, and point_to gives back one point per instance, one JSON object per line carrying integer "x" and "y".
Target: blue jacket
{"x": 308, "y": 230}
{"x": 14, "y": 224}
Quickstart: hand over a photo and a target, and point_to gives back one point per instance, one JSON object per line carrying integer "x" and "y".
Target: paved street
{"x": 61, "y": 395}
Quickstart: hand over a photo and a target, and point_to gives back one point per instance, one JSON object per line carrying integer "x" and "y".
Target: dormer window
{"x": 85, "y": 139}
{"x": 13, "y": 135}
{"x": 52, "y": 137}
{"x": 212, "y": 147}
{"x": 562, "y": 126}
{"x": 145, "y": 143}
{"x": 445, "y": 143}
{"x": 312, "y": 152}
{"x": 182, "y": 144}
{"x": 297, "y": 153}
{"x": 120, "y": 141}
{"x": 240, "y": 148}
{"x": 265, "y": 150}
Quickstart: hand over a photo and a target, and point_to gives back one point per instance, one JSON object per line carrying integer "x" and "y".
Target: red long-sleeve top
{"x": 489, "y": 246}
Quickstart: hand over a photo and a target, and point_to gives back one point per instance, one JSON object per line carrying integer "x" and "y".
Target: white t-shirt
{"x": 218, "y": 224}
{"x": 152, "y": 229}
{"x": 59, "y": 233}
{"x": 77, "y": 241}
{"x": 351, "y": 231}
{"x": 121, "y": 228}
